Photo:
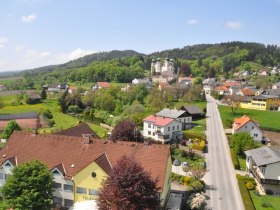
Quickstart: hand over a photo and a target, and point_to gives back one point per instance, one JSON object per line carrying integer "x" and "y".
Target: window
{"x": 245, "y": 126}
{"x": 149, "y": 125}
{"x": 93, "y": 192}
{"x": 56, "y": 172}
{"x": 252, "y": 127}
{"x": 68, "y": 187}
{"x": 177, "y": 127}
{"x": 153, "y": 133}
{"x": 173, "y": 128}
{"x": 1, "y": 176}
{"x": 149, "y": 133}
{"x": 7, "y": 176}
{"x": 57, "y": 201}
{"x": 57, "y": 185}
{"x": 256, "y": 135}
{"x": 68, "y": 203}
{"x": 81, "y": 190}
{"x": 8, "y": 164}
{"x": 168, "y": 128}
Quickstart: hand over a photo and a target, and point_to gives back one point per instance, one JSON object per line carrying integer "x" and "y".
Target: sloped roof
{"x": 272, "y": 92}
{"x": 264, "y": 155}
{"x": 171, "y": 113}
{"x": 104, "y": 84}
{"x": 78, "y": 131}
{"x": 104, "y": 163}
{"x": 192, "y": 109}
{"x": 73, "y": 151}
{"x": 222, "y": 87}
{"x": 264, "y": 97}
{"x": 159, "y": 121}
{"x": 27, "y": 115}
{"x": 247, "y": 92}
{"x": 167, "y": 73}
{"x": 240, "y": 122}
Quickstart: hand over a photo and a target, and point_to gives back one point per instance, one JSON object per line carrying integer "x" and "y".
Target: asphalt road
{"x": 220, "y": 179}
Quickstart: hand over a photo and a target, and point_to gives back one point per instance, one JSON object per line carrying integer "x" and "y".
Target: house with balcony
{"x": 264, "y": 164}
{"x": 261, "y": 102}
{"x": 180, "y": 115}
{"x": 162, "y": 129}
{"x": 247, "y": 124}
{"x": 80, "y": 164}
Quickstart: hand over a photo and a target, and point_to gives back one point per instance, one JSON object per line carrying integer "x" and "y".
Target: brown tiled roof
{"x": 75, "y": 154}
{"x": 104, "y": 163}
{"x": 78, "y": 131}
{"x": 247, "y": 92}
{"x": 240, "y": 122}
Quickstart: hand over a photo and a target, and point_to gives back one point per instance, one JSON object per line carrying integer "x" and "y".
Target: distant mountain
{"x": 86, "y": 60}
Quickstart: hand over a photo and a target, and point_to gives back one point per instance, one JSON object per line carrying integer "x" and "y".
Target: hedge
{"x": 190, "y": 135}
{"x": 247, "y": 200}
{"x": 199, "y": 146}
{"x": 234, "y": 159}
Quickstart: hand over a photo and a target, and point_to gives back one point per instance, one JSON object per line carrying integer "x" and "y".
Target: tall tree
{"x": 243, "y": 141}
{"x": 29, "y": 187}
{"x": 185, "y": 69}
{"x": 43, "y": 94}
{"x": 126, "y": 130}
{"x": 128, "y": 187}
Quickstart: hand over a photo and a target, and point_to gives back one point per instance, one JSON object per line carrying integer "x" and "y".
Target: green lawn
{"x": 101, "y": 132}
{"x": 261, "y": 200}
{"x": 268, "y": 120}
{"x": 242, "y": 163}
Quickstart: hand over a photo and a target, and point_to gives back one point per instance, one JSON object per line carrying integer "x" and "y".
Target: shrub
{"x": 51, "y": 122}
{"x": 47, "y": 114}
{"x": 183, "y": 142}
{"x": 234, "y": 159}
{"x": 11, "y": 126}
{"x": 74, "y": 109}
{"x": 266, "y": 204}
{"x": 250, "y": 186}
{"x": 187, "y": 180}
{"x": 199, "y": 146}
{"x": 248, "y": 203}
{"x": 189, "y": 135}
{"x": 269, "y": 192}
{"x": 197, "y": 186}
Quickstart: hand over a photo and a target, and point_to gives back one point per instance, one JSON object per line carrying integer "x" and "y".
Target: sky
{"x": 36, "y": 33}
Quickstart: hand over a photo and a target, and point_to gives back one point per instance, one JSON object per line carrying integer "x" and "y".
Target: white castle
{"x": 158, "y": 68}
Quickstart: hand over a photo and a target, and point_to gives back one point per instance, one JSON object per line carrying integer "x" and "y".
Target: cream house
{"x": 264, "y": 164}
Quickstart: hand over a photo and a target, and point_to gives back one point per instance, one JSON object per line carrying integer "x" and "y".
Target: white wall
{"x": 272, "y": 171}
{"x": 253, "y": 130}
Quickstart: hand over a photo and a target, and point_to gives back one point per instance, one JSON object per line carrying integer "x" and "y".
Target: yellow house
{"x": 80, "y": 164}
{"x": 261, "y": 102}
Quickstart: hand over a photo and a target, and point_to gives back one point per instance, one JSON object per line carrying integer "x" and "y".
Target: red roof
{"x": 104, "y": 84}
{"x": 72, "y": 88}
{"x": 224, "y": 88}
{"x": 75, "y": 154}
{"x": 247, "y": 92}
{"x": 232, "y": 83}
{"x": 160, "y": 121}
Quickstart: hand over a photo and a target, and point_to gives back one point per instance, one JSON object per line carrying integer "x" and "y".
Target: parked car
{"x": 176, "y": 162}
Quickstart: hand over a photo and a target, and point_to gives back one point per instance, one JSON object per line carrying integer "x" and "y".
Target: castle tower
{"x": 158, "y": 66}
{"x": 153, "y": 67}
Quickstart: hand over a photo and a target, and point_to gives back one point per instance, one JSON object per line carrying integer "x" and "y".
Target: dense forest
{"x": 201, "y": 60}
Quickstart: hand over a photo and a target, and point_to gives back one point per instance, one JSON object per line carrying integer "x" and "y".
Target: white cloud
{"x": 192, "y": 22}
{"x": 28, "y": 18}
{"x": 19, "y": 48}
{"x": 77, "y": 53}
{"x": 233, "y": 24}
{"x": 3, "y": 41}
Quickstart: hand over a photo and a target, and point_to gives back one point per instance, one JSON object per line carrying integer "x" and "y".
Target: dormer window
{"x": 56, "y": 172}
{"x": 8, "y": 164}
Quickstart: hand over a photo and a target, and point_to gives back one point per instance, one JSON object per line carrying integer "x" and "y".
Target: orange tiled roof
{"x": 240, "y": 122}
{"x": 229, "y": 84}
{"x": 54, "y": 150}
{"x": 247, "y": 92}
{"x": 224, "y": 88}
{"x": 104, "y": 84}
{"x": 73, "y": 88}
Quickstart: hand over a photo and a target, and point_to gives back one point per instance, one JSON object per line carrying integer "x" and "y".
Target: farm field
{"x": 268, "y": 120}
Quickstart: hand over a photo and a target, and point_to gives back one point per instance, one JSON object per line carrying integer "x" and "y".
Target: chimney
{"x": 34, "y": 131}
{"x": 88, "y": 139}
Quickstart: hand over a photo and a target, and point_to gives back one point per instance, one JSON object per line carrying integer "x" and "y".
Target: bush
{"x": 51, "y": 122}
{"x": 183, "y": 142}
{"x": 11, "y": 126}
{"x": 250, "y": 186}
{"x": 74, "y": 109}
{"x": 234, "y": 159}
{"x": 199, "y": 146}
{"x": 189, "y": 135}
{"x": 197, "y": 186}
{"x": 248, "y": 203}
{"x": 266, "y": 204}
{"x": 47, "y": 114}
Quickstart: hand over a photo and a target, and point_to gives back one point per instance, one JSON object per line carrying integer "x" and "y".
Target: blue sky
{"x": 35, "y": 33}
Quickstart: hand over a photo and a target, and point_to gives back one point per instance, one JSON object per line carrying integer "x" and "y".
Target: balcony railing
{"x": 262, "y": 180}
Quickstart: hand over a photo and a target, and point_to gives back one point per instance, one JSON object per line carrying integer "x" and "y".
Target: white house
{"x": 179, "y": 115}
{"x": 162, "y": 129}
{"x": 264, "y": 164}
{"x": 276, "y": 85}
{"x": 246, "y": 124}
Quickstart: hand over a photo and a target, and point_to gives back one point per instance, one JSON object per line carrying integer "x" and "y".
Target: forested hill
{"x": 203, "y": 60}
{"x": 87, "y": 60}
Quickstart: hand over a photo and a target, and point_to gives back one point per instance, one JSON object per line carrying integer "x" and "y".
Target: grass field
{"x": 242, "y": 163}
{"x": 101, "y": 132}
{"x": 261, "y": 200}
{"x": 268, "y": 120}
